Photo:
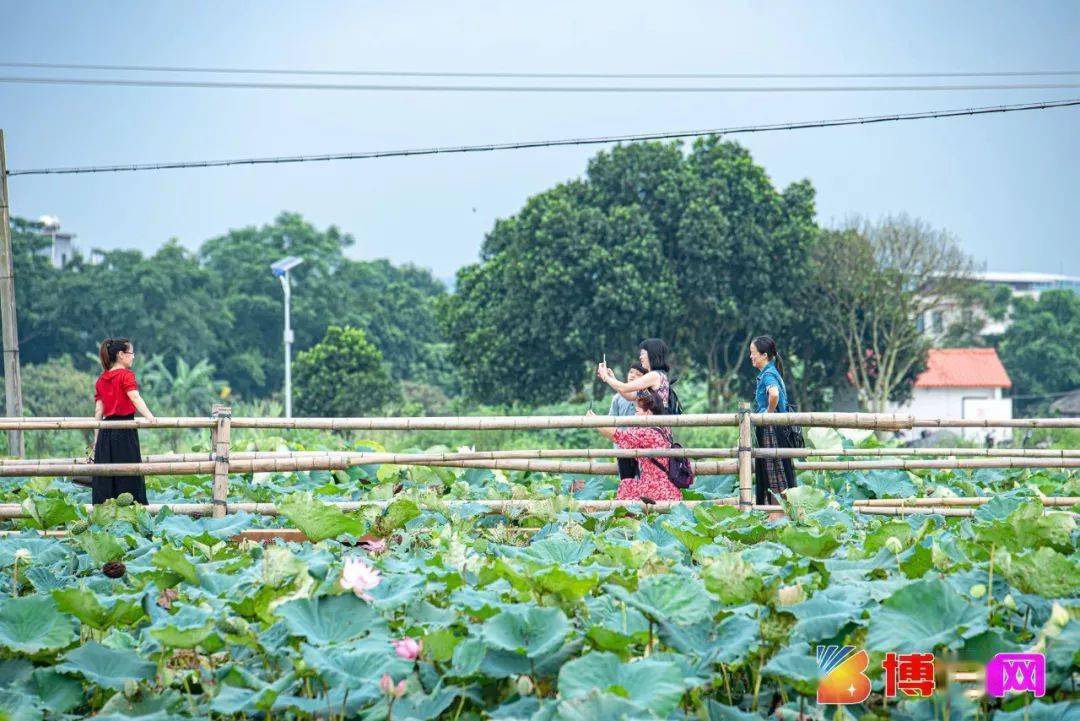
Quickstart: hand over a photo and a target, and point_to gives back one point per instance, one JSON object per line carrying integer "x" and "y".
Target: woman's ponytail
{"x": 110, "y": 348}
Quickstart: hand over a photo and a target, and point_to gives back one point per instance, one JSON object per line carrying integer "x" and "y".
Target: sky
{"x": 1004, "y": 185}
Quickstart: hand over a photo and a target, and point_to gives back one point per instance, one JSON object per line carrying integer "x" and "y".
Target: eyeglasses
{"x": 129, "y": 352}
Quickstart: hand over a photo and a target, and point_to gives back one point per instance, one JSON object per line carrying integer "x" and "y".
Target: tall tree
{"x": 343, "y": 375}
{"x": 873, "y": 281}
{"x": 1039, "y": 348}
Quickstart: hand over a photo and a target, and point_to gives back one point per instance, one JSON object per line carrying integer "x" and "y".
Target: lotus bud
{"x": 23, "y": 555}
{"x": 524, "y": 685}
{"x": 1059, "y": 617}
{"x": 790, "y": 595}
{"x": 408, "y": 648}
{"x": 893, "y": 544}
{"x": 1009, "y": 602}
{"x": 977, "y": 591}
{"x": 125, "y": 499}
{"x": 386, "y": 685}
{"x": 131, "y": 688}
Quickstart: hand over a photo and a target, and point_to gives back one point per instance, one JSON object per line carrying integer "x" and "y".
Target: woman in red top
{"x": 116, "y": 398}
{"x": 652, "y": 481}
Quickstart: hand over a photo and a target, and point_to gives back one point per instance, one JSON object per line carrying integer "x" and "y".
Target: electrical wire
{"x": 449, "y": 74}
{"x": 521, "y": 145}
{"x": 623, "y": 89}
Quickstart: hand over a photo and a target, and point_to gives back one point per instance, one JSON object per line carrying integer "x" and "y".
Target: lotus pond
{"x": 449, "y": 613}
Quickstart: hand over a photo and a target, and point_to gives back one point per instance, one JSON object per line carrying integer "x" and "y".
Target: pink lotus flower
{"x": 360, "y": 578}
{"x": 375, "y": 546}
{"x": 386, "y": 685}
{"x": 408, "y": 649}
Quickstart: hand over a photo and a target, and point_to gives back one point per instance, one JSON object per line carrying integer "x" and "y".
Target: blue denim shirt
{"x": 768, "y": 378}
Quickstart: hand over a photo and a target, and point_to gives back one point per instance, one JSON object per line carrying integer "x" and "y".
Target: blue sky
{"x": 1004, "y": 185}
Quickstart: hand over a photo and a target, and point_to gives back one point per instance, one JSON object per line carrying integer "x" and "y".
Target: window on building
{"x": 937, "y": 321}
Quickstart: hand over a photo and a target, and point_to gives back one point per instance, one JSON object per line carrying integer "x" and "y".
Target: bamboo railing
{"x": 222, "y": 462}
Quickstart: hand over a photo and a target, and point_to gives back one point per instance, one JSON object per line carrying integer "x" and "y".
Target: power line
{"x": 247, "y": 85}
{"x": 521, "y": 145}
{"x": 450, "y": 74}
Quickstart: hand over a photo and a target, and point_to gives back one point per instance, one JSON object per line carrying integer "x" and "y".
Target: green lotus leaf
{"x": 424, "y": 707}
{"x": 922, "y": 616}
{"x": 32, "y": 624}
{"x": 100, "y": 612}
{"x": 107, "y": 667}
{"x": 57, "y": 694}
{"x": 468, "y": 654}
{"x": 648, "y": 683}
{"x": 331, "y": 619}
{"x": 796, "y": 665}
{"x": 557, "y": 551}
{"x": 50, "y": 510}
{"x": 18, "y": 706}
{"x": 1039, "y": 711}
{"x": 320, "y": 521}
{"x": 804, "y": 500}
{"x": 734, "y": 580}
{"x": 232, "y": 700}
{"x": 597, "y": 706}
{"x": 720, "y": 712}
{"x": 570, "y": 585}
{"x": 102, "y": 547}
{"x": 533, "y": 631}
{"x": 824, "y": 615}
{"x": 186, "y": 628}
{"x": 175, "y": 560}
{"x": 671, "y": 597}
{"x": 614, "y": 625}
{"x": 357, "y": 666}
{"x": 397, "y": 590}
{"x": 396, "y": 515}
{"x": 809, "y": 541}
{"x": 886, "y": 483}
{"x": 44, "y": 551}
{"x": 1043, "y": 571}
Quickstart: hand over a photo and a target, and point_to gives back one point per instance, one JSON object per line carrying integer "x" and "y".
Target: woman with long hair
{"x": 772, "y": 475}
{"x": 652, "y": 482}
{"x": 653, "y": 356}
{"x": 116, "y": 398}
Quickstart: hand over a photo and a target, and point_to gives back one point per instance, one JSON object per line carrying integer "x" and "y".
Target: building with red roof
{"x": 963, "y": 383}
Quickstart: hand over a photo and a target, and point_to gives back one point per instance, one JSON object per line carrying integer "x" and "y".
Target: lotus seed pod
{"x": 114, "y": 569}
{"x": 23, "y": 555}
{"x": 125, "y": 499}
{"x": 525, "y": 685}
{"x": 1009, "y": 602}
{"x": 575, "y": 531}
{"x": 79, "y": 527}
{"x": 893, "y": 544}
{"x": 978, "y": 590}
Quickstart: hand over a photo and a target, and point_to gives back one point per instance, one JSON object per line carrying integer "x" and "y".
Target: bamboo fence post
{"x": 746, "y": 498}
{"x": 220, "y": 433}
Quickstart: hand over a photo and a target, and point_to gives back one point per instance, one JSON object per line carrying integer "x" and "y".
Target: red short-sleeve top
{"x": 112, "y": 390}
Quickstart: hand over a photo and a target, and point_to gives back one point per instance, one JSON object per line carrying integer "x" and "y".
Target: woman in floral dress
{"x": 652, "y": 482}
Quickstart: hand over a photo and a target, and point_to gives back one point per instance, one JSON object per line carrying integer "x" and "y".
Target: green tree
{"x": 978, "y": 303}
{"x": 872, "y": 280}
{"x": 184, "y": 390}
{"x": 343, "y": 375}
{"x": 1039, "y": 348}
{"x": 57, "y": 388}
{"x": 697, "y": 248}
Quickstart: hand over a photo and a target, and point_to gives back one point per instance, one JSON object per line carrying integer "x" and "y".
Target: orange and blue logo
{"x": 841, "y": 673}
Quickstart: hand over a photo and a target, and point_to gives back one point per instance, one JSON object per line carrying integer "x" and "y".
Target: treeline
{"x": 695, "y": 245}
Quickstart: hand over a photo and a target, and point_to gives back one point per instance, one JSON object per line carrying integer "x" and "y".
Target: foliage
{"x": 1039, "y": 347}
{"x": 343, "y": 375}
{"x": 53, "y": 388}
{"x": 978, "y": 303}
{"x": 187, "y": 390}
{"x": 615, "y": 615}
{"x": 222, "y": 304}
{"x": 874, "y": 281}
{"x": 698, "y": 248}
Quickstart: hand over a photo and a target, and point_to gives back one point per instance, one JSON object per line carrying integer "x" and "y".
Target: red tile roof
{"x": 963, "y": 368}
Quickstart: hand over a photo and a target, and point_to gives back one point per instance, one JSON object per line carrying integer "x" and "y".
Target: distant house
{"x": 963, "y": 383}
{"x": 1067, "y": 405}
{"x": 61, "y": 250}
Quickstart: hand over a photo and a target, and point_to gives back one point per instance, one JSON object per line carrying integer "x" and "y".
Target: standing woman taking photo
{"x": 116, "y": 398}
{"x": 653, "y": 356}
{"x": 772, "y": 475}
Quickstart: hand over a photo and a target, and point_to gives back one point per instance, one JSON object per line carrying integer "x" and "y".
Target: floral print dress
{"x": 652, "y": 481}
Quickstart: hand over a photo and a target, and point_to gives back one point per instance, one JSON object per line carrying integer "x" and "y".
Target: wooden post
{"x": 219, "y": 442}
{"x": 746, "y": 477}
{"x": 12, "y": 379}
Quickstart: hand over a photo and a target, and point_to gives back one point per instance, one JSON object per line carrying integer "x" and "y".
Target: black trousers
{"x": 118, "y": 445}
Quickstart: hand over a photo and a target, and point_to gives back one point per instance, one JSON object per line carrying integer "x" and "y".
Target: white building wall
{"x": 949, "y": 403}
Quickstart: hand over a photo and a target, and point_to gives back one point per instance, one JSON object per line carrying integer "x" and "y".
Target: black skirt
{"x": 118, "y": 445}
{"x": 772, "y": 475}
{"x": 628, "y": 468}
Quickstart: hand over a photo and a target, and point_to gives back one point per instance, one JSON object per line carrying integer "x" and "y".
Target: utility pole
{"x": 12, "y": 379}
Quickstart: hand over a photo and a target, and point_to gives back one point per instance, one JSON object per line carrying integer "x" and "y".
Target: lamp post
{"x": 281, "y": 272}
